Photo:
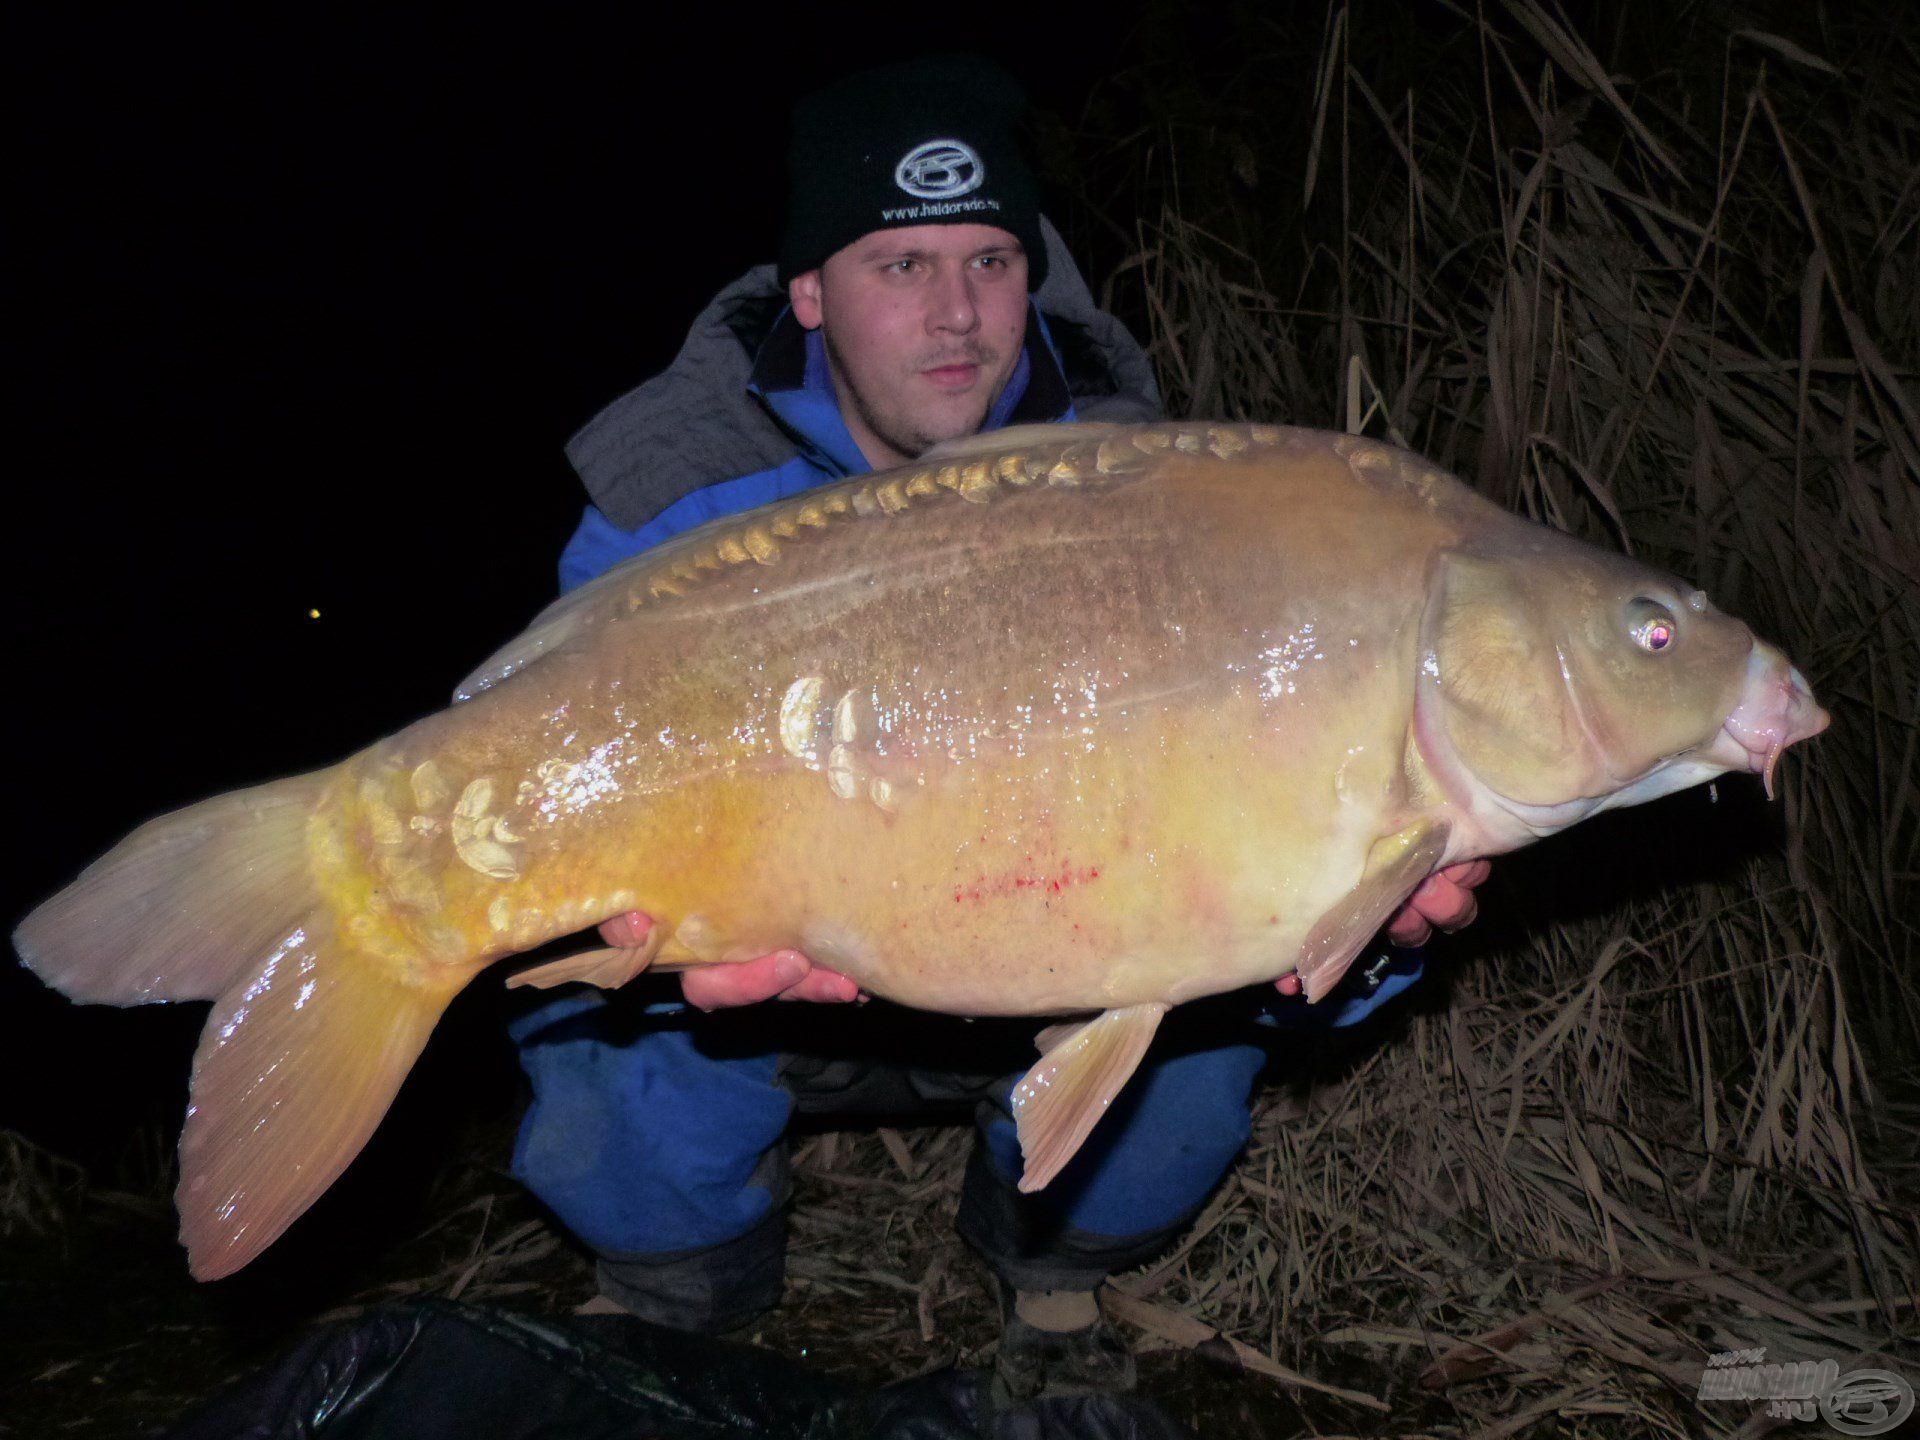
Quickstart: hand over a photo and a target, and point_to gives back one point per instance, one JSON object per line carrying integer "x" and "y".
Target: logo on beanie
{"x": 939, "y": 170}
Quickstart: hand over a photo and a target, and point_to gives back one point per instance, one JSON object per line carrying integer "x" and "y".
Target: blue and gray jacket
{"x": 746, "y": 415}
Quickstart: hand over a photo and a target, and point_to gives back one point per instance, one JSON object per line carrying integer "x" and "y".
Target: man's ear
{"x": 803, "y": 293}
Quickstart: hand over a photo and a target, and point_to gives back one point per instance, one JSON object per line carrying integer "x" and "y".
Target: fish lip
{"x": 1777, "y": 709}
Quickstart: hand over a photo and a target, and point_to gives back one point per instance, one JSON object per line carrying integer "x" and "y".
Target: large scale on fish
{"x": 1072, "y": 721}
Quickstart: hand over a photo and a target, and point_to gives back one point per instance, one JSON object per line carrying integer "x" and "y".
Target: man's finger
{"x": 720, "y": 987}
{"x": 628, "y": 931}
{"x": 1444, "y": 903}
{"x": 1409, "y": 927}
{"x": 1445, "y": 899}
{"x": 823, "y": 986}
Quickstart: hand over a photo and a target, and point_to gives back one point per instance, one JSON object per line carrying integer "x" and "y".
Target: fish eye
{"x": 1651, "y": 624}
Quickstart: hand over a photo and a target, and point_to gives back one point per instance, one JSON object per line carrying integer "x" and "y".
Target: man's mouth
{"x": 955, "y": 377}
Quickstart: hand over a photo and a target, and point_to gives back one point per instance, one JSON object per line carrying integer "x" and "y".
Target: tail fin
{"x": 310, "y": 1034}
{"x": 174, "y": 909}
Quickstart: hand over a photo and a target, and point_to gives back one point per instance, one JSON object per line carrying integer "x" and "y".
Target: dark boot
{"x": 1034, "y": 1361}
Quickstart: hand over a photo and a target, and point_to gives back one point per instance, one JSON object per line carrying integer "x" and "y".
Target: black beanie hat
{"x": 930, "y": 142}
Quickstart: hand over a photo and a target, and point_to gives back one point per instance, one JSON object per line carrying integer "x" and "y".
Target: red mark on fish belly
{"x": 1012, "y": 882}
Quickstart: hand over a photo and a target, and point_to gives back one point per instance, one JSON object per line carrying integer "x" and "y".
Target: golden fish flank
{"x": 521, "y": 924}
{"x": 396, "y": 853}
{"x": 1364, "y": 454}
{"x": 844, "y": 774}
{"x": 803, "y": 718}
{"x": 383, "y": 821}
{"x": 412, "y": 887}
{"x": 697, "y": 934}
{"x": 430, "y": 788}
{"x": 846, "y": 719}
{"x": 799, "y": 720}
{"x": 481, "y": 839}
{"x": 1385, "y": 466}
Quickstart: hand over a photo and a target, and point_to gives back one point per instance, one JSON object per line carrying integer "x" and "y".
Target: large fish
{"x": 1064, "y": 720}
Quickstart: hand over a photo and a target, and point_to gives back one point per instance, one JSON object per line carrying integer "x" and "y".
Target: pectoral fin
{"x": 1395, "y": 867}
{"x": 1058, "y": 1101}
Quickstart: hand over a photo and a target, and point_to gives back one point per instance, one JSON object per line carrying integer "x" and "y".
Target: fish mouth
{"x": 1777, "y": 709}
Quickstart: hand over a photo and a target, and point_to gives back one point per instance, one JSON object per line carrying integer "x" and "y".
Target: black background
{"x": 303, "y": 306}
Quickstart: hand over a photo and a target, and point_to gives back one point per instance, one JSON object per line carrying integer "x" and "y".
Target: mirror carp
{"x": 1068, "y": 721}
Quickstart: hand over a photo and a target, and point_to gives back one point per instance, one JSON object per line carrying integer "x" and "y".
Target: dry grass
{"x": 38, "y": 1190}
{"x": 1670, "y": 299}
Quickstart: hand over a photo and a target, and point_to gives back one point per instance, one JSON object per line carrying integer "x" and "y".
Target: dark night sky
{"x": 303, "y": 310}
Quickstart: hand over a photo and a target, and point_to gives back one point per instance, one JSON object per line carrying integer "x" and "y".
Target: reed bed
{"x": 1653, "y": 277}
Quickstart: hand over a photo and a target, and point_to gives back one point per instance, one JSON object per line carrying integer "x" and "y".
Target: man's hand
{"x": 1444, "y": 901}
{"x": 783, "y": 975}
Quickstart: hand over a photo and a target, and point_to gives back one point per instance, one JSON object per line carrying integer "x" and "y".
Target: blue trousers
{"x": 655, "y": 1132}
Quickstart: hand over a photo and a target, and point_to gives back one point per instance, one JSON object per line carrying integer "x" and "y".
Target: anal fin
{"x": 1395, "y": 867}
{"x": 1058, "y": 1102}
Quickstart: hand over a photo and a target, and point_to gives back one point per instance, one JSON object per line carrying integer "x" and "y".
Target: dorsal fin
{"x": 559, "y": 622}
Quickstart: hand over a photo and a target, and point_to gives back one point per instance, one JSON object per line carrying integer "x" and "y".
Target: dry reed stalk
{"x": 1669, "y": 306}
{"x": 38, "y": 1189}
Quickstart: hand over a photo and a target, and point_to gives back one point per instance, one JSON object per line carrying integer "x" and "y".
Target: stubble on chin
{"x": 913, "y": 437}
{"x": 897, "y": 425}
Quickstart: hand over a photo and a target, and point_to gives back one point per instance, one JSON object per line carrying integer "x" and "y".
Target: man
{"x": 919, "y": 298}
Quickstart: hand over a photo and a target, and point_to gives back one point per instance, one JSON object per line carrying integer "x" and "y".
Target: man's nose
{"x": 954, "y": 311}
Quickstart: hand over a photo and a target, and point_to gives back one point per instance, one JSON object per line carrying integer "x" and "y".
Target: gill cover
{"x": 1568, "y": 673}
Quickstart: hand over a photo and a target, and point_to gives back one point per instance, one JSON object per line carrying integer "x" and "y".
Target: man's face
{"x": 923, "y": 327}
